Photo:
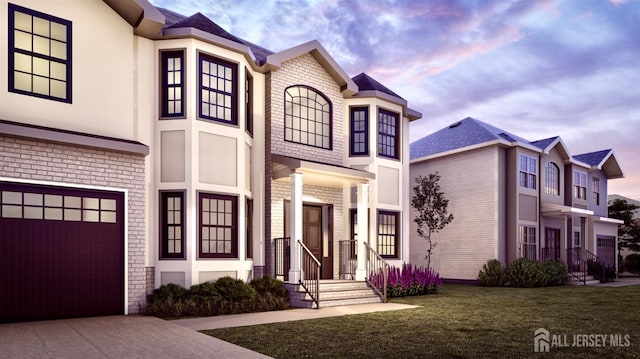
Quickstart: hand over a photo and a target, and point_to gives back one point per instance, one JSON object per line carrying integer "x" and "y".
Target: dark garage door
{"x": 61, "y": 252}
{"x": 607, "y": 249}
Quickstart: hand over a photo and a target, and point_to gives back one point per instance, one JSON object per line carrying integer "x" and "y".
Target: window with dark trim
{"x": 307, "y": 117}
{"x": 172, "y": 225}
{"x": 359, "y": 135}
{"x": 528, "y": 172}
{"x": 173, "y": 72}
{"x": 39, "y": 54}
{"x": 218, "y": 231}
{"x": 388, "y": 134}
{"x": 249, "y": 227}
{"x": 218, "y": 84}
{"x": 248, "y": 102}
{"x": 528, "y": 243}
{"x": 580, "y": 184}
{"x": 388, "y": 233}
{"x": 596, "y": 190}
{"x": 552, "y": 179}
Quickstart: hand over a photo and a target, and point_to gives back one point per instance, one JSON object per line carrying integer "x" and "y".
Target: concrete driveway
{"x": 112, "y": 337}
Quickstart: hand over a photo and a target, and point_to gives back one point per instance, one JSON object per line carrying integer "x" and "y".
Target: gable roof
{"x": 548, "y": 144}
{"x": 543, "y": 144}
{"x": 603, "y": 160}
{"x": 463, "y": 134}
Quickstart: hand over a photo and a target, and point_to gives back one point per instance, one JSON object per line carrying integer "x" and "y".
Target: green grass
{"x": 459, "y": 321}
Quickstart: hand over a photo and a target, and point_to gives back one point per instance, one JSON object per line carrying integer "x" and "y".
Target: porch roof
{"x": 550, "y": 209}
{"x": 318, "y": 174}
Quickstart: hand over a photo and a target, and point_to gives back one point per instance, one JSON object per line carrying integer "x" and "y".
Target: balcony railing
{"x": 282, "y": 250}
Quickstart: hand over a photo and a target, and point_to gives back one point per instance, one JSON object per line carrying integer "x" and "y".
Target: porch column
{"x": 363, "y": 229}
{"x": 295, "y": 227}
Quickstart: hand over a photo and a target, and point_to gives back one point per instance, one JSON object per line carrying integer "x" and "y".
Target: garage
{"x": 62, "y": 252}
{"x": 607, "y": 249}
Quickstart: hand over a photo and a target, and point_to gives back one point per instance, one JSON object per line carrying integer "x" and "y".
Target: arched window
{"x": 307, "y": 117}
{"x": 552, "y": 179}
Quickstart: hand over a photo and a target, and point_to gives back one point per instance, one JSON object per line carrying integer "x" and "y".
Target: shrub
{"x": 601, "y": 271}
{"x": 492, "y": 274}
{"x": 556, "y": 272}
{"x": 224, "y": 296}
{"x": 525, "y": 273}
{"x": 632, "y": 263}
{"x": 409, "y": 280}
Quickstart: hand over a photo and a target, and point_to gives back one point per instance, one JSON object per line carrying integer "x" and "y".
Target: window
{"x": 307, "y": 117}
{"x": 39, "y": 54}
{"x": 576, "y": 239}
{"x": 528, "y": 242}
{"x": 596, "y": 191}
{"x": 172, "y": 225}
{"x": 359, "y": 136}
{"x": 580, "y": 184}
{"x": 172, "y": 83}
{"x": 528, "y": 171}
{"x": 248, "y": 102}
{"x": 248, "y": 221}
{"x": 552, "y": 179}
{"x": 217, "y": 222}
{"x": 388, "y": 144}
{"x": 218, "y": 90}
{"x": 388, "y": 233}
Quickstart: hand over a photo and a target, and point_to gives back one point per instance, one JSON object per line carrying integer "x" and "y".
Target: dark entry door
{"x": 61, "y": 252}
{"x": 313, "y": 229}
{"x": 552, "y": 244}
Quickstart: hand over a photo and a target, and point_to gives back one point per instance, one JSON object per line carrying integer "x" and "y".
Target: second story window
{"x": 596, "y": 191}
{"x": 39, "y": 54}
{"x": 172, "y": 83}
{"x": 307, "y": 117}
{"x": 359, "y": 131}
{"x": 552, "y": 179}
{"x": 580, "y": 184}
{"x": 528, "y": 172}
{"x": 388, "y": 134}
{"x": 218, "y": 84}
{"x": 248, "y": 102}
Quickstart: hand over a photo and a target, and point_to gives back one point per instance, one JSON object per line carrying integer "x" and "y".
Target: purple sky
{"x": 535, "y": 68}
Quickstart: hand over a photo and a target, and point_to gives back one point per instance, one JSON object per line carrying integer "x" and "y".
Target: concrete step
{"x": 335, "y": 293}
{"x": 589, "y": 280}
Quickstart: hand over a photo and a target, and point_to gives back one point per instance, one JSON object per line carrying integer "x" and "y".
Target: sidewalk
{"x": 621, "y": 282}
{"x": 240, "y": 320}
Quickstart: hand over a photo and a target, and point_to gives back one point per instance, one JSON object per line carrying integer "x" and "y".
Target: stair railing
{"x": 378, "y": 272}
{"x": 348, "y": 259}
{"x": 282, "y": 253}
{"x": 598, "y": 268}
{"x": 577, "y": 265}
{"x": 310, "y": 276}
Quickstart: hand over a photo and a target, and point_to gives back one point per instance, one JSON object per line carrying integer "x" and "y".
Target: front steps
{"x": 333, "y": 293}
{"x": 590, "y": 280}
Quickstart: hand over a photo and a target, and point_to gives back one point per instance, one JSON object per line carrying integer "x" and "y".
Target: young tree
{"x": 629, "y": 232}
{"x": 431, "y": 209}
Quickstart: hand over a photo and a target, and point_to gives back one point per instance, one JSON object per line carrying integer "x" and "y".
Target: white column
{"x": 565, "y": 240}
{"x": 363, "y": 224}
{"x": 295, "y": 227}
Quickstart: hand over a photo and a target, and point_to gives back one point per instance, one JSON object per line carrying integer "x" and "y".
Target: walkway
{"x": 621, "y": 282}
{"x": 241, "y": 320}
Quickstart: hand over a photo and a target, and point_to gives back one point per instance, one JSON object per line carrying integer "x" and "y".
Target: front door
{"x": 552, "y": 244}
{"x": 316, "y": 236}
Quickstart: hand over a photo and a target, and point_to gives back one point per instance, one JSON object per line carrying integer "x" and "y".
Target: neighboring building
{"x": 625, "y": 252}
{"x": 141, "y": 147}
{"x": 513, "y": 198}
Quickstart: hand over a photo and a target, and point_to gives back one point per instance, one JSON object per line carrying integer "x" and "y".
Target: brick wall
{"x": 45, "y": 161}
{"x": 303, "y": 70}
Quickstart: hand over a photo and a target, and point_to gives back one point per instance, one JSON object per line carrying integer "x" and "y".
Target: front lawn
{"x": 467, "y": 321}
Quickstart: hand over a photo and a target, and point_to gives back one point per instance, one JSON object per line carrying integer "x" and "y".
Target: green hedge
{"x": 225, "y": 296}
{"x": 522, "y": 273}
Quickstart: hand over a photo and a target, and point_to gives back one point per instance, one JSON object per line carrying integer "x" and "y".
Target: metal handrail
{"x": 376, "y": 266}
{"x": 590, "y": 256}
{"x": 310, "y": 276}
{"x": 574, "y": 260}
{"x": 348, "y": 257}
{"x": 281, "y": 257}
